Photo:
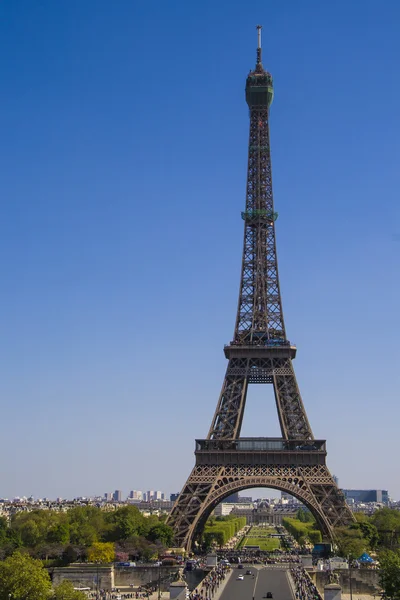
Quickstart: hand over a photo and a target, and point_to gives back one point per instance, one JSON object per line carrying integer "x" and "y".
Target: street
{"x": 271, "y": 579}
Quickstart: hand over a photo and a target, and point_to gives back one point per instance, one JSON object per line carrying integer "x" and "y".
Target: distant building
{"x": 173, "y": 497}
{"x": 245, "y": 499}
{"x": 117, "y": 496}
{"x": 232, "y": 498}
{"x": 289, "y": 499}
{"x": 335, "y": 479}
{"x": 225, "y": 508}
{"x": 136, "y": 495}
{"x": 108, "y": 496}
{"x": 354, "y": 496}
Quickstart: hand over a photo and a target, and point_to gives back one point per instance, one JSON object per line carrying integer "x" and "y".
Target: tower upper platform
{"x": 259, "y": 84}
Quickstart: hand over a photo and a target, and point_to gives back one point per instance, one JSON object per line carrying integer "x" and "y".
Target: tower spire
{"x": 259, "y": 63}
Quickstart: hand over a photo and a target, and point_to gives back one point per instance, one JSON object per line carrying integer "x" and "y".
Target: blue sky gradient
{"x": 124, "y": 152}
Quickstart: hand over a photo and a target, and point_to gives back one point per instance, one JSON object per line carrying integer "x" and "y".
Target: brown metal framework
{"x": 259, "y": 353}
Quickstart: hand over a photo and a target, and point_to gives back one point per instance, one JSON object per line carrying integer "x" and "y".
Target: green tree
{"x": 24, "y": 578}
{"x": 40, "y": 526}
{"x": 350, "y": 542}
{"x": 86, "y": 524}
{"x": 3, "y": 530}
{"x": 65, "y": 591}
{"x": 387, "y": 523}
{"x": 386, "y": 519}
{"x": 389, "y": 573}
{"x": 161, "y": 532}
{"x": 59, "y": 531}
{"x": 126, "y": 522}
{"x": 304, "y": 516}
{"x": 370, "y": 533}
{"x": 103, "y": 552}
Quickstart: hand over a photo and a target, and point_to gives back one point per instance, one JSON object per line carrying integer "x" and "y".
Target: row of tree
{"x": 220, "y": 530}
{"x": 302, "y": 531}
{"x": 50, "y": 534}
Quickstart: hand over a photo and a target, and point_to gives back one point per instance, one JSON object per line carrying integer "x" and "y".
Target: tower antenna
{"x": 259, "y": 27}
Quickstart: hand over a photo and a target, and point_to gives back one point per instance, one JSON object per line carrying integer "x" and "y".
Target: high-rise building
{"x": 117, "y": 496}
{"x": 136, "y": 495}
{"x": 108, "y": 496}
{"x": 173, "y": 497}
{"x": 335, "y": 479}
{"x": 381, "y": 496}
{"x": 157, "y": 495}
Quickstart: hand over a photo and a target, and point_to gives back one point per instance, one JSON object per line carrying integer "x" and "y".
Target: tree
{"x": 48, "y": 551}
{"x": 23, "y": 577}
{"x": 161, "y": 532}
{"x": 387, "y": 522}
{"x": 65, "y": 591}
{"x": 304, "y": 516}
{"x": 3, "y": 530}
{"x": 125, "y": 523}
{"x": 86, "y": 524}
{"x": 350, "y": 542}
{"x": 59, "y": 532}
{"x": 70, "y": 554}
{"x": 103, "y": 552}
{"x": 389, "y": 574}
{"x": 121, "y": 556}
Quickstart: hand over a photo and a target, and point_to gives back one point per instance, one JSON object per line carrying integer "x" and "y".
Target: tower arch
{"x": 226, "y": 489}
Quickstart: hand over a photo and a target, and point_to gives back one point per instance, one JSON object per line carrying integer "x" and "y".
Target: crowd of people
{"x": 259, "y": 557}
{"x": 305, "y": 589}
{"x": 116, "y": 594}
{"x": 210, "y": 584}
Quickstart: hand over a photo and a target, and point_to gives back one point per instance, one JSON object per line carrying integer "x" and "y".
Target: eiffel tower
{"x": 260, "y": 353}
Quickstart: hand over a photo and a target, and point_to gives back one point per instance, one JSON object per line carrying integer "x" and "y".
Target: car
{"x": 269, "y": 595}
{"x": 240, "y": 566}
{"x": 248, "y": 572}
{"x": 239, "y": 578}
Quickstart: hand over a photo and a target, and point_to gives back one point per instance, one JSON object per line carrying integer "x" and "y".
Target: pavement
{"x": 266, "y": 580}
{"x": 360, "y": 597}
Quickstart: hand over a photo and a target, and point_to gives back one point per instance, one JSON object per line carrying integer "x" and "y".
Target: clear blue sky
{"x": 123, "y": 164}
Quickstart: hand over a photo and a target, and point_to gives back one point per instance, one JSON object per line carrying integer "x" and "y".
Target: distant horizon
{"x": 275, "y": 494}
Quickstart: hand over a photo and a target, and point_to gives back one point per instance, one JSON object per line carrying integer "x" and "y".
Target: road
{"x": 268, "y": 579}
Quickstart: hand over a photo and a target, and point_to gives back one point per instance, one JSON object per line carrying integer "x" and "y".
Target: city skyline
{"x": 124, "y": 161}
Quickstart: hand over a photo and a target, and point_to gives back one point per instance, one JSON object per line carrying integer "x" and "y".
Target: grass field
{"x": 258, "y": 536}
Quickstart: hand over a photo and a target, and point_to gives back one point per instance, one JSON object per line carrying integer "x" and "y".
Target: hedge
{"x": 298, "y": 530}
{"x": 222, "y": 531}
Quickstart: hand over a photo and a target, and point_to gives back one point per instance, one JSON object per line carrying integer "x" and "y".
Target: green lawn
{"x": 258, "y": 536}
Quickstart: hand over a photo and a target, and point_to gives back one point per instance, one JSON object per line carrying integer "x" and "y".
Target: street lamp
{"x": 350, "y": 581}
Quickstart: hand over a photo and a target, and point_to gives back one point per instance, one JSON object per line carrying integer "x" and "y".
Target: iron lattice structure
{"x": 259, "y": 353}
